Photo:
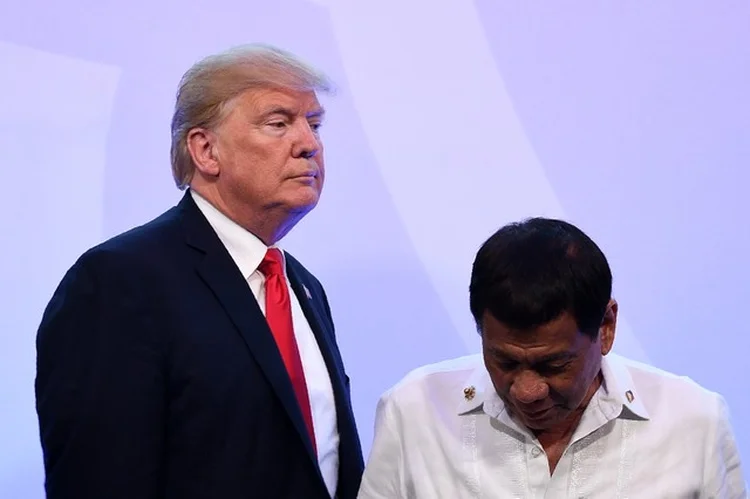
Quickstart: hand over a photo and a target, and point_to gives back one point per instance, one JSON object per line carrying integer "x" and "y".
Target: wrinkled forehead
{"x": 554, "y": 338}
{"x": 534, "y": 355}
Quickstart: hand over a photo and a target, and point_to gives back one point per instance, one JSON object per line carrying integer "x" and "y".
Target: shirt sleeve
{"x": 723, "y": 477}
{"x": 384, "y": 473}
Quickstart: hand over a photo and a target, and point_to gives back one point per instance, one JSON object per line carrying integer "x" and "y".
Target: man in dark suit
{"x": 190, "y": 357}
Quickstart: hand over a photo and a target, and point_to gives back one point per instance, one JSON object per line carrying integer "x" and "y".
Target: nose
{"x": 307, "y": 143}
{"x": 528, "y": 388}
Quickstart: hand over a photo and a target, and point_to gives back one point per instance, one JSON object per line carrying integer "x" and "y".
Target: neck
{"x": 268, "y": 227}
{"x": 269, "y": 224}
{"x": 561, "y": 434}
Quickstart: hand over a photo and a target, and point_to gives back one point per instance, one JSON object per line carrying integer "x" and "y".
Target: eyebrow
{"x": 553, "y": 357}
{"x": 278, "y": 110}
{"x": 317, "y": 113}
{"x": 288, "y": 113}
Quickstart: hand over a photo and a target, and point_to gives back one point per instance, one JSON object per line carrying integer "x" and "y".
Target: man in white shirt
{"x": 547, "y": 411}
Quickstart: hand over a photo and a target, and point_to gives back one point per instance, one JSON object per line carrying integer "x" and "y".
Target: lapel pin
{"x": 629, "y": 395}
{"x": 469, "y": 392}
{"x": 307, "y": 292}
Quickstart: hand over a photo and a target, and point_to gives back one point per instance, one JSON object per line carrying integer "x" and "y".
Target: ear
{"x": 607, "y": 329}
{"x": 201, "y": 144}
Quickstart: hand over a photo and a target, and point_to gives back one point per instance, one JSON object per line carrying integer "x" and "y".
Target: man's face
{"x": 547, "y": 375}
{"x": 269, "y": 152}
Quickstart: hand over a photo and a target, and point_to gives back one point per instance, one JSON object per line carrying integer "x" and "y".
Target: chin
{"x": 549, "y": 420}
{"x": 303, "y": 204}
{"x": 537, "y": 426}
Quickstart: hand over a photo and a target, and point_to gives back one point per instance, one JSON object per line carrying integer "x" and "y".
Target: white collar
{"x": 245, "y": 248}
{"x": 620, "y": 391}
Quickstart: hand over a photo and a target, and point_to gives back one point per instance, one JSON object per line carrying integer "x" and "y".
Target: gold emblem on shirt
{"x": 469, "y": 392}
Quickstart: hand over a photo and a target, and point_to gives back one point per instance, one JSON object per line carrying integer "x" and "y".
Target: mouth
{"x": 309, "y": 174}
{"x": 537, "y": 415}
{"x": 305, "y": 178}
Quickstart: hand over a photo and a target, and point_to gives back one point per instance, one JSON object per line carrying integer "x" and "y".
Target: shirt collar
{"x": 245, "y": 248}
{"x": 475, "y": 391}
{"x": 621, "y": 393}
{"x": 620, "y": 387}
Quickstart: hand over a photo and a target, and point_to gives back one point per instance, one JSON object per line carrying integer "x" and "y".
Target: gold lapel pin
{"x": 469, "y": 392}
{"x": 629, "y": 395}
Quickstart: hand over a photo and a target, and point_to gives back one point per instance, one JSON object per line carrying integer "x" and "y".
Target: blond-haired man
{"x": 191, "y": 357}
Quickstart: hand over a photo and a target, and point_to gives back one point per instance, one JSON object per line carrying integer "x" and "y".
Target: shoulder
{"x": 673, "y": 396}
{"x": 440, "y": 384}
{"x": 156, "y": 234}
{"x": 439, "y": 373}
{"x": 126, "y": 255}
{"x": 682, "y": 414}
{"x": 671, "y": 385}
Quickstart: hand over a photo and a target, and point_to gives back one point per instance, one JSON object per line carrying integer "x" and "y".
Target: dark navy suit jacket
{"x": 157, "y": 376}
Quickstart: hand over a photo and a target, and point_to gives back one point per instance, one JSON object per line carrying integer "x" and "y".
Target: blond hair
{"x": 208, "y": 87}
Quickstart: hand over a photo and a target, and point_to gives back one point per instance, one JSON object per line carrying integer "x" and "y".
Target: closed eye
{"x": 553, "y": 368}
{"x": 507, "y": 365}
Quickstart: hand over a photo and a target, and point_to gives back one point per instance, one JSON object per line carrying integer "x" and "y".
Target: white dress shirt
{"x": 248, "y": 252}
{"x": 443, "y": 432}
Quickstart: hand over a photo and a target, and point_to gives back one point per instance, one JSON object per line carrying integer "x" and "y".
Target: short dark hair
{"x": 529, "y": 273}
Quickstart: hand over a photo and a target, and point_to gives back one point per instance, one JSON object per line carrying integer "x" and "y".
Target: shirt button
{"x": 535, "y": 452}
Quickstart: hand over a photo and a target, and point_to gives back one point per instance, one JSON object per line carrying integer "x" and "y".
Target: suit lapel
{"x": 350, "y": 453}
{"x": 311, "y": 308}
{"x": 219, "y": 272}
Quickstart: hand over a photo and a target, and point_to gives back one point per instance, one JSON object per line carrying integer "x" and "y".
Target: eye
{"x": 277, "y": 124}
{"x": 315, "y": 126}
{"x": 506, "y": 365}
{"x": 553, "y": 369}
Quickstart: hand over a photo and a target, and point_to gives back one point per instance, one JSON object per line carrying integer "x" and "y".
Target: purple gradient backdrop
{"x": 450, "y": 120}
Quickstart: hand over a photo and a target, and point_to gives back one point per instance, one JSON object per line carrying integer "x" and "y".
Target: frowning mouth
{"x": 537, "y": 415}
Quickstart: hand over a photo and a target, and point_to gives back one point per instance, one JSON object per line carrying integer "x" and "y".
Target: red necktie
{"x": 279, "y": 317}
